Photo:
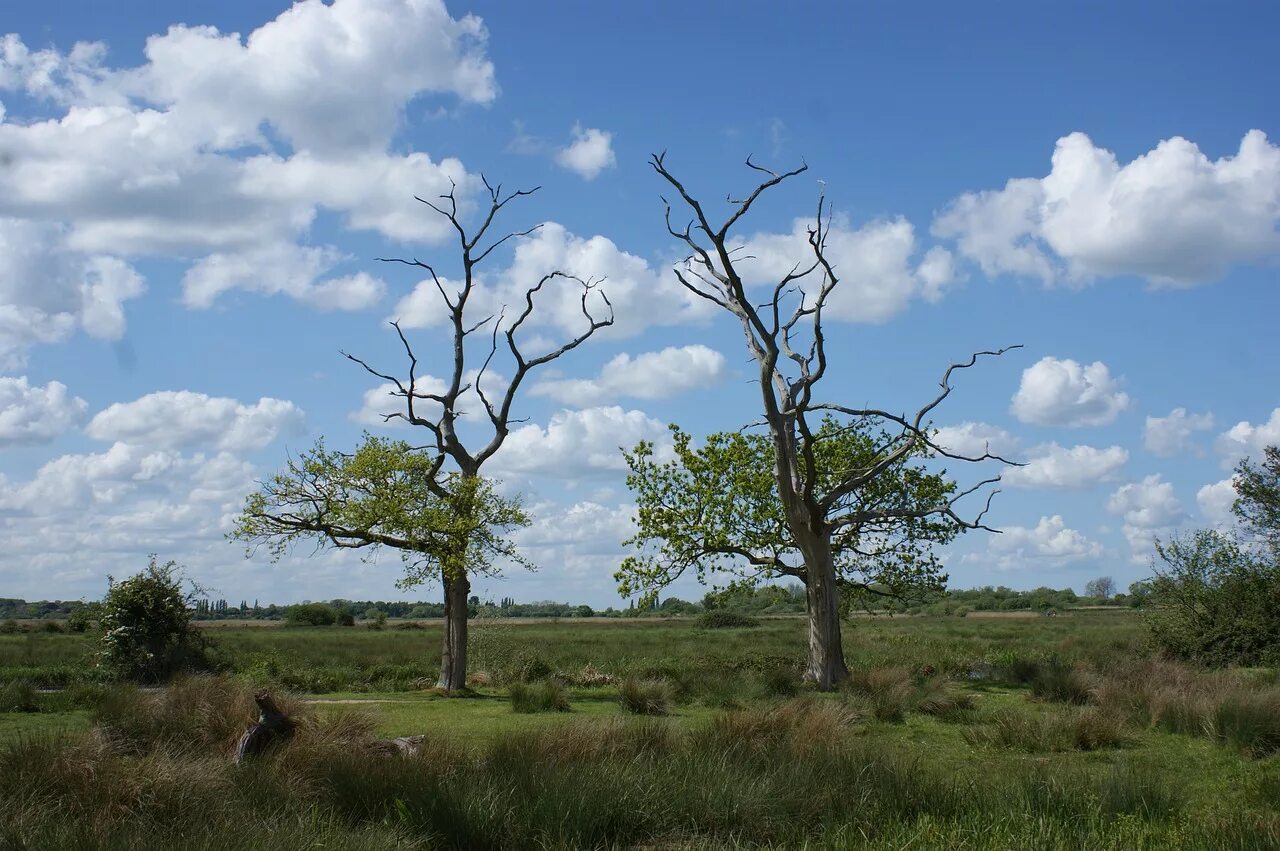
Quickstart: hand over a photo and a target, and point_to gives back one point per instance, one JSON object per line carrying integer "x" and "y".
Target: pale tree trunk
{"x": 826, "y": 667}
{"x": 453, "y": 656}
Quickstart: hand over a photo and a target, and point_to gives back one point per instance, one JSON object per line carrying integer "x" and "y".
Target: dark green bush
{"x": 147, "y": 634}
{"x": 721, "y": 619}
{"x": 311, "y": 614}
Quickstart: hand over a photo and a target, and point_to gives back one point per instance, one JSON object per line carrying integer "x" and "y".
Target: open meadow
{"x": 952, "y": 732}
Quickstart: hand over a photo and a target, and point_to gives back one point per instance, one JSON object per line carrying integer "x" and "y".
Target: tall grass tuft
{"x": 19, "y": 696}
{"x": 1055, "y": 730}
{"x": 1249, "y": 721}
{"x": 890, "y": 692}
{"x": 646, "y": 696}
{"x": 546, "y": 696}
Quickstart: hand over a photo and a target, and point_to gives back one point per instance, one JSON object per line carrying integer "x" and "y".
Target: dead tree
{"x": 438, "y": 413}
{"x": 272, "y": 726}
{"x": 788, "y": 346}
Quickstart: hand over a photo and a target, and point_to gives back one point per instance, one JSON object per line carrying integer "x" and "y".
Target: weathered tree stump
{"x": 272, "y": 726}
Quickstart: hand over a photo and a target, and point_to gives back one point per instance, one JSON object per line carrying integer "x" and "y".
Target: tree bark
{"x": 453, "y": 656}
{"x": 826, "y": 668}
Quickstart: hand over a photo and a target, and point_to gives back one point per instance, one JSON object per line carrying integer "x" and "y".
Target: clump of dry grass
{"x": 1086, "y": 729}
{"x": 546, "y": 696}
{"x": 890, "y": 692}
{"x": 801, "y": 724}
{"x": 646, "y": 696}
{"x": 940, "y": 698}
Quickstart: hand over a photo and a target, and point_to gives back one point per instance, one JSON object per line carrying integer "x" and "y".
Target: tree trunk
{"x": 826, "y": 668}
{"x": 453, "y": 657}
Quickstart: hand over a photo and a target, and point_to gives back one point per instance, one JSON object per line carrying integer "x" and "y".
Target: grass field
{"x": 952, "y": 733}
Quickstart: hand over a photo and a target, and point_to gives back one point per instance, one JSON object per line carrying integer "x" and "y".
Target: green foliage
{"x": 311, "y": 614}
{"x": 1258, "y": 498}
{"x": 385, "y": 494}
{"x": 722, "y": 619}
{"x": 19, "y": 696}
{"x": 146, "y": 627}
{"x": 717, "y": 508}
{"x": 1215, "y": 601}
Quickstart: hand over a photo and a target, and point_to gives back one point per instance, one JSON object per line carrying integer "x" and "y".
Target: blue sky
{"x": 191, "y": 203}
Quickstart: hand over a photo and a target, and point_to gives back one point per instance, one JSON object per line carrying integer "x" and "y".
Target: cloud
{"x": 1054, "y": 466}
{"x": 1149, "y": 508}
{"x": 975, "y": 439}
{"x": 1172, "y": 216}
{"x": 1244, "y": 439}
{"x": 173, "y": 419}
{"x": 48, "y": 291}
{"x": 34, "y": 414}
{"x": 286, "y": 268}
{"x": 1049, "y": 544}
{"x": 1216, "y": 500}
{"x": 651, "y": 375}
{"x": 874, "y": 264}
{"x": 577, "y": 444}
{"x": 641, "y": 296}
{"x": 1067, "y": 393}
{"x": 590, "y": 152}
{"x": 1171, "y": 435}
{"x": 220, "y": 151}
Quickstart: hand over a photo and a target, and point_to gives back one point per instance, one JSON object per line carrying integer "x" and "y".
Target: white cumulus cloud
{"x": 577, "y": 444}
{"x": 651, "y": 375}
{"x": 1245, "y": 439}
{"x": 1054, "y": 466}
{"x": 173, "y": 419}
{"x": 1149, "y": 508}
{"x": 875, "y": 263}
{"x": 1172, "y": 216}
{"x": 590, "y": 152}
{"x": 34, "y": 414}
{"x": 975, "y": 439}
{"x": 1172, "y": 435}
{"x": 1216, "y": 500}
{"x": 1063, "y": 392}
{"x": 1050, "y": 543}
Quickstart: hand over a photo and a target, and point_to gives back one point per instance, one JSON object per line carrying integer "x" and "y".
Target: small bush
{"x": 721, "y": 619}
{"x": 546, "y": 696}
{"x": 780, "y": 681}
{"x": 19, "y": 696}
{"x": 311, "y": 614}
{"x": 346, "y": 619}
{"x": 147, "y": 634}
{"x": 50, "y": 626}
{"x": 10, "y": 627}
{"x": 530, "y": 666}
{"x": 645, "y": 697}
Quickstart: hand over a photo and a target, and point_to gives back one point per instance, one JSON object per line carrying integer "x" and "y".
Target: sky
{"x": 193, "y": 198}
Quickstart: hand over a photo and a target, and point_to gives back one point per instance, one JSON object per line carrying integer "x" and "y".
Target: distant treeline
{"x": 764, "y": 600}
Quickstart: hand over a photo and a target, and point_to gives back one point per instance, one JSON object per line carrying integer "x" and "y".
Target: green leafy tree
{"x": 147, "y": 634}
{"x": 782, "y": 323}
{"x": 1215, "y": 601}
{"x": 387, "y": 494}
{"x": 1257, "y": 504}
{"x": 716, "y": 508}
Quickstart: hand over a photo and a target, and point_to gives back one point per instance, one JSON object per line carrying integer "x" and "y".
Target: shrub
{"x": 1215, "y": 601}
{"x": 50, "y": 626}
{"x": 311, "y": 614}
{"x": 645, "y": 697}
{"x": 146, "y": 625}
{"x": 10, "y": 627}
{"x": 721, "y": 619}
{"x": 346, "y": 619}
{"x": 780, "y": 681}
{"x": 19, "y": 696}
{"x": 546, "y": 696}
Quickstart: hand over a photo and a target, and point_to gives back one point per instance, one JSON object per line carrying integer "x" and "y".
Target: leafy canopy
{"x": 147, "y": 634}
{"x": 385, "y": 494}
{"x": 716, "y": 508}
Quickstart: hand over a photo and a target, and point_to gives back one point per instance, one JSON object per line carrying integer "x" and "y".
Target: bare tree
{"x": 1102, "y": 588}
{"x": 448, "y": 474}
{"x": 788, "y": 345}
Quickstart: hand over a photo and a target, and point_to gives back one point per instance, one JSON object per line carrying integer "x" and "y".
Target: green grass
{"x": 953, "y": 733}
